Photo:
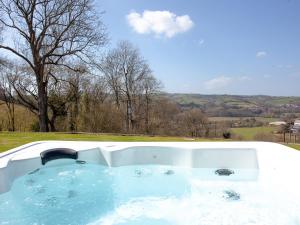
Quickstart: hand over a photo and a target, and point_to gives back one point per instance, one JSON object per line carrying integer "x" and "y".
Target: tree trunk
{"x": 52, "y": 123}
{"x": 147, "y": 114}
{"x": 129, "y": 111}
{"x": 12, "y": 116}
{"x": 117, "y": 98}
{"x": 43, "y": 106}
{"x": 73, "y": 115}
{"x": 129, "y": 116}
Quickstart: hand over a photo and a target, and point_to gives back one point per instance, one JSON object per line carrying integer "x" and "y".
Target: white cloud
{"x": 261, "y": 54}
{"x": 160, "y": 23}
{"x": 222, "y": 82}
{"x": 218, "y": 82}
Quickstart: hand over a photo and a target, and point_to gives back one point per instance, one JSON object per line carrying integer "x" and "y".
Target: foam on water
{"x": 208, "y": 204}
{"x": 81, "y": 194}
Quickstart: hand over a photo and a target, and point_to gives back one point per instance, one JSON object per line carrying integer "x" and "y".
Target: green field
{"x": 261, "y": 119}
{"x": 295, "y": 146}
{"x": 10, "y": 140}
{"x": 248, "y": 133}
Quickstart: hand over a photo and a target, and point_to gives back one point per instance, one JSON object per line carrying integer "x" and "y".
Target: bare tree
{"x": 134, "y": 70}
{"x": 194, "y": 122}
{"x": 24, "y": 87}
{"x": 61, "y": 91}
{"x": 111, "y": 66}
{"x": 59, "y": 97}
{"x": 77, "y": 86}
{"x": 73, "y": 105}
{"x": 50, "y": 33}
{"x": 7, "y": 95}
{"x": 125, "y": 69}
{"x": 150, "y": 87}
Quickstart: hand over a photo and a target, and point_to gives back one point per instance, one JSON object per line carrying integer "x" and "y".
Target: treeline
{"x": 60, "y": 79}
{"x": 119, "y": 94}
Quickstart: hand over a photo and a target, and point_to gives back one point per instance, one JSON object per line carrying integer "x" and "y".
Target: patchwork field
{"x": 239, "y": 105}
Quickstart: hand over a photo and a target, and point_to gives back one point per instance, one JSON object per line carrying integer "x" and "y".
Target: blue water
{"x": 79, "y": 194}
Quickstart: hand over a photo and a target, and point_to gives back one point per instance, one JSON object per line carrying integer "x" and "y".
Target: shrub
{"x": 227, "y": 135}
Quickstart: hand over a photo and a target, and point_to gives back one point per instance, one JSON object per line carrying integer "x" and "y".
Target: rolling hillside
{"x": 238, "y": 105}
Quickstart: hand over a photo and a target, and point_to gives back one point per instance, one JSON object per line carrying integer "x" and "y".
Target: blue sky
{"x": 213, "y": 46}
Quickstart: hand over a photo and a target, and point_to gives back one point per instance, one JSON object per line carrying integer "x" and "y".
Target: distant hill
{"x": 239, "y": 105}
{"x": 235, "y": 105}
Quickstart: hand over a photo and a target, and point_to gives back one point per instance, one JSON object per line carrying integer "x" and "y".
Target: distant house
{"x": 296, "y": 127}
{"x": 297, "y": 121}
{"x": 277, "y": 123}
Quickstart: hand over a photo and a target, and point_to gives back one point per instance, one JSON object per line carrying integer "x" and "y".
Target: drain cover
{"x": 169, "y": 172}
{"x": 231, "y": 195}
{"x": 224, "y": 172}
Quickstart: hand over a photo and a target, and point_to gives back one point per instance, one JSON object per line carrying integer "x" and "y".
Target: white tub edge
{"x": 269, "y": 156}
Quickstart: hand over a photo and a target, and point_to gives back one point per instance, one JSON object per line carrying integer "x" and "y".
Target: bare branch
{"x": 18, "y": 54}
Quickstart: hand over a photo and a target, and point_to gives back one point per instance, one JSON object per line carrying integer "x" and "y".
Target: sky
{"x": 245, "y": 47}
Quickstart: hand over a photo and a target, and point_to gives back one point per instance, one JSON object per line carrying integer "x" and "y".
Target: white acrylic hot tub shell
{"x": 262, "y": 156}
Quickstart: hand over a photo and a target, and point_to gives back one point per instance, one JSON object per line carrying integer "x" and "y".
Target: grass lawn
{"x": 248, "y": 133}
{"x": 9, "y": 140}
{"x": 295, "y": 146}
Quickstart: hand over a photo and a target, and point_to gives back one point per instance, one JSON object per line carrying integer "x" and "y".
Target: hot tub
{"x": 109, "y": 183}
